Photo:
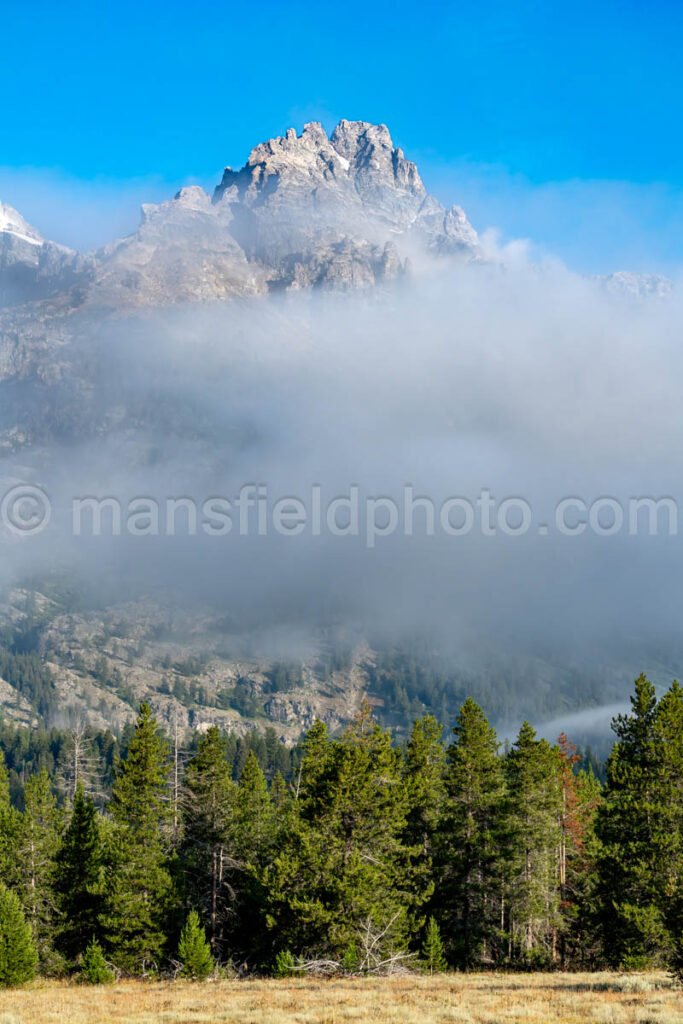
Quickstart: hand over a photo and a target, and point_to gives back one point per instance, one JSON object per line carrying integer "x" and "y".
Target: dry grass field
{"x": 471, "y": 999}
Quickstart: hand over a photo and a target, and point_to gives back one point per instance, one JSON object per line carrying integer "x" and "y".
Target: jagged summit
{"x": 341, "y": 211}
{"x": 302, "y": 197}
{"x": 357, "y": 155}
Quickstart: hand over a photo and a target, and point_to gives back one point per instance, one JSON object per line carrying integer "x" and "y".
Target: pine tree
{"x": 38, "y": 843}
{"x": 255, "y": 816}
{"x": 79, "y": 877}
{"x": 18, "y": 956}
{"x": 534, "y": 810}
{"x": 194, "y": 951}
{"x": 639, "y": 826}
{"x": 468, "y": 862}
{"x": 138, "y": 892}
{"x": 433, "y": 958}
{"x": 208, "y": 852}
{"x": 424, "y": 781}
{"x": 256, "y": 834}
{"x": 140, "y": 791}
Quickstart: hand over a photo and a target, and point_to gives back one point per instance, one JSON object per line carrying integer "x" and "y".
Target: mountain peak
{"x": 12, "y": 223}
{"x": 306, "y": 210}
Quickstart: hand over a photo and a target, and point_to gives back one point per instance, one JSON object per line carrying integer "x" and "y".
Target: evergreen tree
{"x": 18, "y": 956}
{"x": 38, "y": 843}
{"x": 469, "y": 878}
{"x": 94, "y": 968}
{"x": 256, "y": 834}
{"x": 208, "y": 853}
{"x": 140, "y": 790}
{"x": 139, "y": 890}
{"x": 255, "y": 816}
{"x": 640, "y": 829}
{"x": 534, "y": 810}
{"x": 79, "y": 877}
{"x": 433, "y": 959}
{"x": 194, "y": 951}
{"x": 424, "y": 781}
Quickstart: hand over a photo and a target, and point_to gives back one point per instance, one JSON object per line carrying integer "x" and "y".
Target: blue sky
{"x": 518, "y": 110}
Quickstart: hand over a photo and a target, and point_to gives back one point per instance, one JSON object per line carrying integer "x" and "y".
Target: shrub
{"x": 94, "y": 968}
{"x": 351, "y": 959}
{"x": 285, "y": 964}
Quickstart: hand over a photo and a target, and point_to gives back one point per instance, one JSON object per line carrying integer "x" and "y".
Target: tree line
{"x": 445, "y": 852}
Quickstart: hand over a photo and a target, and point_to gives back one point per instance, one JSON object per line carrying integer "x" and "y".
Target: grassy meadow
{"x": 465, "y": 999}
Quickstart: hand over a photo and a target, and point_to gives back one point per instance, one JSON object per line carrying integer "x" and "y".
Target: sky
{"x": 556, "y": 122}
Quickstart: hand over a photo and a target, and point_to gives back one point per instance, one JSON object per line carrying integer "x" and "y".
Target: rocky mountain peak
{"x": 306, "y": 210}
{"x": 305, "y": 200}
{"x": 12, "y": 223}
{"x": 358, "y": 156}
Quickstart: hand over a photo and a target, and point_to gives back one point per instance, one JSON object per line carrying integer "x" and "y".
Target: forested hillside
{"x": 351, "y": 854}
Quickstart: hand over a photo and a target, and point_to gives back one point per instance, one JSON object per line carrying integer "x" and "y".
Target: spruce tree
{"x": 194, "y": 951}
{"x": 468, "y": 863}
{"x": 18, "y": 956}
{"x": 79, "y": 880}
{"x": 139, "y": 889}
